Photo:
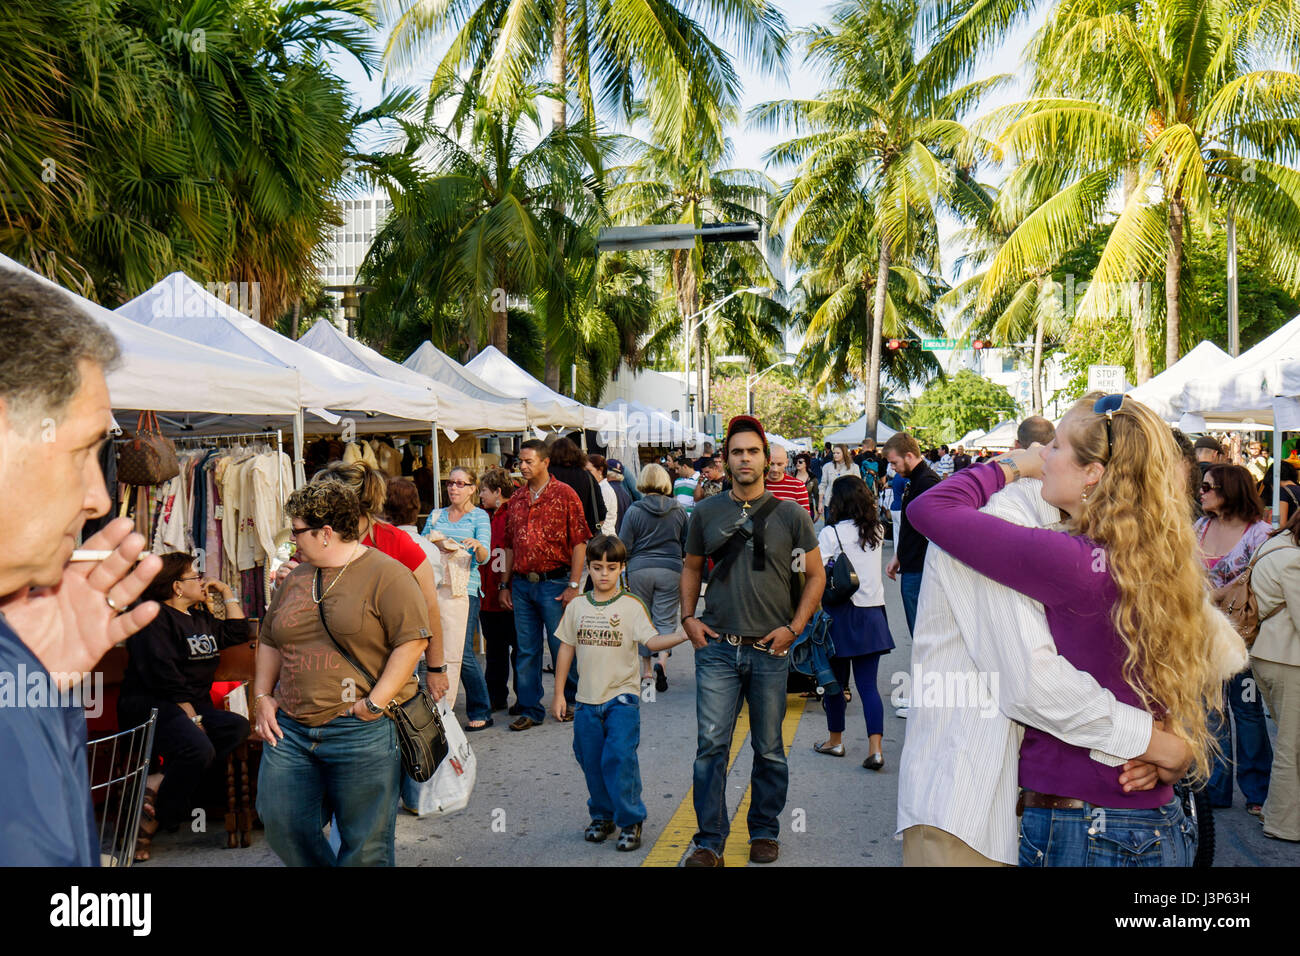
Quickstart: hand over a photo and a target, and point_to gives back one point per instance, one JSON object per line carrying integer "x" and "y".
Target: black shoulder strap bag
{"x": 420, "y": 735}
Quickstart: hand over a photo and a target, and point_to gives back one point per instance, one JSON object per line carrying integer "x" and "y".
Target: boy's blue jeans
{"x": 605, "y": 738}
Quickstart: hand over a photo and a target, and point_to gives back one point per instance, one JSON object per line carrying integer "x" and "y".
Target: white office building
{"x": 343, "y": 255}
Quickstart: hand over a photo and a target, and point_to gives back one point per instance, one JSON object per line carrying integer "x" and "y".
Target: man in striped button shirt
{"x": 958, "y": 775}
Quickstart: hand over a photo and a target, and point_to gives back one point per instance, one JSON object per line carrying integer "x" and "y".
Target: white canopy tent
{"x": 786, "y": 443}
{"x": 650, "y": 426}
{"x": 1258, "y": 389}
{"x": 970, "y": 439}
{"x": 164, "y": 373}
{"x": 852, "y": 434}
{"x": 1163, "y": 394}
{"x": 491, "y": 366}
{"x": 457, "y": 411}
{"x": 1000, "y": 438}
{"x": 433, "y": 363}
{"x": 328, "y": 389}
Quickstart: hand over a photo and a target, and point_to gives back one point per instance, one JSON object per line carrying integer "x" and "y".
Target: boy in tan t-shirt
{"x": 603, "y": 627}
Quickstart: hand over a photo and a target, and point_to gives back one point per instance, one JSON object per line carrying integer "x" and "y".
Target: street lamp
{"x": 787, "y": 358}
{"x": 706, "y": 314}
{"x": 351, "y": 303}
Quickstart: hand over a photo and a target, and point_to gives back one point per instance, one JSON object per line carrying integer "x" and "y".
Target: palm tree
{"x": 477, "y": 237}
{"x": 604, "y": 53}
{"x": 663, "y": 184}
{"x": 1164, "y": 105}
{"x": 877, "y": 157}
{"x": 1030, "y": 307}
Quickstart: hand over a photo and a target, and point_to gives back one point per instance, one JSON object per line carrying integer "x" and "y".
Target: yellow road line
{"x": 676, "y": 837}
{"x": 736, "y": 852}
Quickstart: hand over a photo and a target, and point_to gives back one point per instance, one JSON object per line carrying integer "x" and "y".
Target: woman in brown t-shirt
{"x": 327, "y": 729}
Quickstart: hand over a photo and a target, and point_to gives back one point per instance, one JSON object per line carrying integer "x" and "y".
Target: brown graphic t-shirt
{"x": 374, "y": 608}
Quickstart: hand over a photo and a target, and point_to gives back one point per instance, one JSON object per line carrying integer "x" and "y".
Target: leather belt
{"x": 556, "y": 574}
{"x": 1033, "y": 800}
{"x": 736, "y": 640}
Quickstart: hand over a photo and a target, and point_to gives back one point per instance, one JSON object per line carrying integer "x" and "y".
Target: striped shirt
{"x": 790, "y": 489}
{"x": 983, "y": 664}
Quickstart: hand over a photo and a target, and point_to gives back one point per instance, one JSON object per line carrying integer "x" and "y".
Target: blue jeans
{"x": 350, "y": 767}
{"x": 724, "y": 677}
{"x": 605, "y": 738}
{"x": 477, "y": 704}
{"x": 536, "y": 608}
{"x": 910, "y": 585}
{"x": 1096, "y": 836}
{"x": 1254, "y": 752}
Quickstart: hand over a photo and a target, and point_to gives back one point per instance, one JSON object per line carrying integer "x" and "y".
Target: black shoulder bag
{"x": 420, "y": 734}
{"x": 725, "y": 556}
{"x": 842, "y": 581}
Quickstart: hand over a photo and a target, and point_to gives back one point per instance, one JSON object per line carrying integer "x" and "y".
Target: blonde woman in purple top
{"x": 1125, "y": 601}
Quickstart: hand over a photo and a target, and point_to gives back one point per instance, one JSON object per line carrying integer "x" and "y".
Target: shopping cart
{"x": 119, "y": 768}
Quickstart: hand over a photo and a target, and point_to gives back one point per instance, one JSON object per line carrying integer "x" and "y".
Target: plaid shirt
{"x": 543, "y": 533}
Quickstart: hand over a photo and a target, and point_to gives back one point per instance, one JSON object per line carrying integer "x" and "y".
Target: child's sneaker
{"x": 598, "y": 830}
{"x": 630, "y": 838}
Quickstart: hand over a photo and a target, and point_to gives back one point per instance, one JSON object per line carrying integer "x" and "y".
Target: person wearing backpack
{"x": 859, "y": 628}
{"x": 1275, "y": 661}
{"x": 655, "y": 536}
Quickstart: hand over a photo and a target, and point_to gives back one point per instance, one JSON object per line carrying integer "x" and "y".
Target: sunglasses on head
{"x": 1108, "y": 405}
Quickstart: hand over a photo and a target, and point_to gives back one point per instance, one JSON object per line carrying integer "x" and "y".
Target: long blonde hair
{"x": 1138, "y": 512}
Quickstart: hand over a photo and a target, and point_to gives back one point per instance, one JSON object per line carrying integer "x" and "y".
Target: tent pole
{"x": 437, "y": 470}
{"x": 1277, "y": 472}
{"x": 299, "y": 475}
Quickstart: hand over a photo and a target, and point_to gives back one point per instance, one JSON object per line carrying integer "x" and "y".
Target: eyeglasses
{"x": 294, "y": 532}
{"x": 191, "y": 577}
{"x": 1206, "y": 486}
{"x": 1108, "y": 405}
{"x": 460, "y": 484}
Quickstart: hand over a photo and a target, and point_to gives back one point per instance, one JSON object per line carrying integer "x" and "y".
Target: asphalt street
{"x": 529, "y": 804}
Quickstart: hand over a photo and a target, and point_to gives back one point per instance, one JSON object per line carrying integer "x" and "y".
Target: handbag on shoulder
{"x": 1239, "y": 605}
{"x": 420, "y": 734}
{"x": 148, "y": 458}
{"x": 841, "y": 580}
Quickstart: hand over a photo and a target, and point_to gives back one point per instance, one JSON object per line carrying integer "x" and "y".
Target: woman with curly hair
{"x": 1125, "y": 601}
{"x": 331, "y": 743}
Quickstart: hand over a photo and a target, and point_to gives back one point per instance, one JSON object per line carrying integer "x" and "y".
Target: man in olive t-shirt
{"x": 742, "y": 640}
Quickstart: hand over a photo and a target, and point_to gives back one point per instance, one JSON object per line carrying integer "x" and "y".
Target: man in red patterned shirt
{"x": 783, "y": 486}
{"x": 545, "y": 551}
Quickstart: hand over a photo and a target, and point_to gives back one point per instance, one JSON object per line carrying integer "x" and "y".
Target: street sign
{"x": 934, "y": 345}
{"x": 1106, "y": 378}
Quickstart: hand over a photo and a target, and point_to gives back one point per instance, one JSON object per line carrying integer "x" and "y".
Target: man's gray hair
{"x": 1035, "y": 428}
{"x": 45, "y": 335}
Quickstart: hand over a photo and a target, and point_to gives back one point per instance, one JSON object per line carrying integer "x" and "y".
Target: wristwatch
{"x": 575, "y": 584}
{"x": 370, "y": 706}
{"x": 502, "y": 585}
{"x": 687, "y": 618}
{"x": 440, "y": 669}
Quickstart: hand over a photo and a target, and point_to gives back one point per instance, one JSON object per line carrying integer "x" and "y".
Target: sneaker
{"x": 1255, "y": 809}
{"x": 630, "y": 838}
{"x": 598, "y": 830}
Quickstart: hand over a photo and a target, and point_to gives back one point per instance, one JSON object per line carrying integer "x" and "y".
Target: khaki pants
{"x": 930, "y": 846}
{"x": 1281, "y": 686}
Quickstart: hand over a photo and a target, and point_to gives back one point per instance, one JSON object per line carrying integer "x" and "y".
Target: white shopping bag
{"x": 449, "y": 789}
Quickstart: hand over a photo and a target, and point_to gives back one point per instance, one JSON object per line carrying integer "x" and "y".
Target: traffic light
{"x": 895, "y": 344}
{"x": 979, "y": 344}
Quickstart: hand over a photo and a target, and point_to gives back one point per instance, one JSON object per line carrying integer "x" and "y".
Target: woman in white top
{"x": 599, "y": 470}
{"x": 859, "y": 628}
{"x": 841, "y": 464}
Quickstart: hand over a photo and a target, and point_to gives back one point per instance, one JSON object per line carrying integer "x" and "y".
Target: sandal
{"x": 836, "y": 751}
{"x": 148, "y": 825}
{"x": 483, "y": 725}
{"x": 598, "y": 830}
{"x": 848, "y": 696}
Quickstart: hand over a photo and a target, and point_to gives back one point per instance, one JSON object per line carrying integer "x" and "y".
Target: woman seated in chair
{"x": 172, "y": 663}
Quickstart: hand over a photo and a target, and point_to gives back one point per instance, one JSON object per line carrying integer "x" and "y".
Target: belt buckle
{"x": 533, "y": 577}
{"x": 732, "y": 639}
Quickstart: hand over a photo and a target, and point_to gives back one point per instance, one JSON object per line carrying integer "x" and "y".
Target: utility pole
{"x": 1234, "y": 341}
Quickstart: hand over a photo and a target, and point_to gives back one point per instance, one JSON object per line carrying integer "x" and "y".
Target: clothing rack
{"x": 219, "y": 441}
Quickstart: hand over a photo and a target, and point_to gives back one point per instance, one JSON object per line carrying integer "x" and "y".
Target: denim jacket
{"x": 812, "y": 651}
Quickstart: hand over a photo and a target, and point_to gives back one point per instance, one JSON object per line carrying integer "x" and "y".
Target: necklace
{"x": 744, "y": 505}
{"x": 538, "y": 493}
{"x": 330, "y": 586}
